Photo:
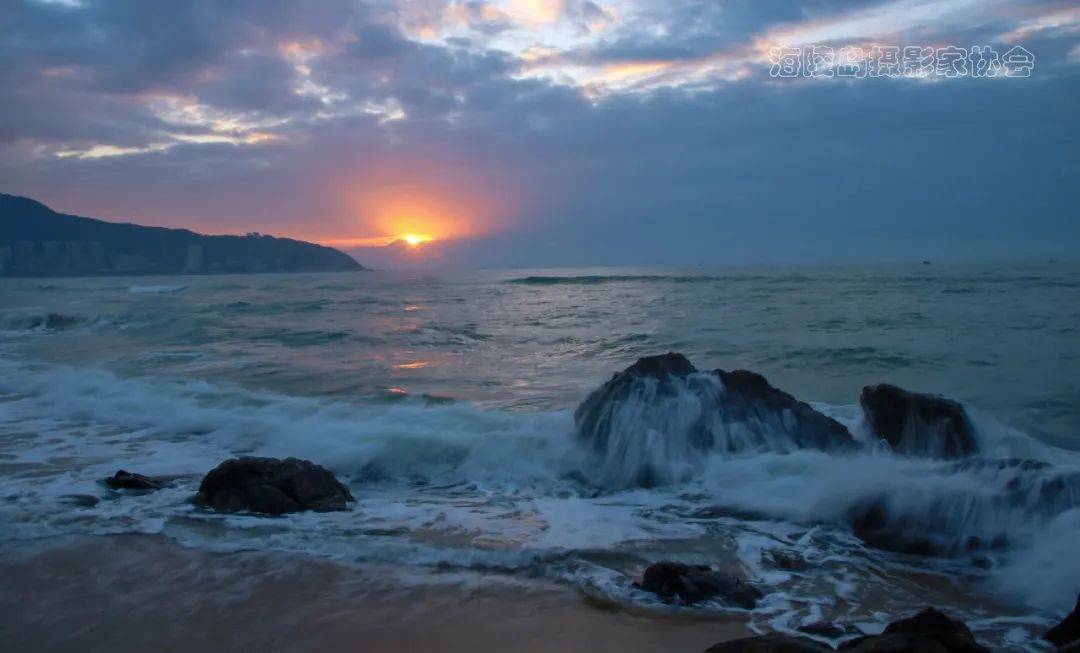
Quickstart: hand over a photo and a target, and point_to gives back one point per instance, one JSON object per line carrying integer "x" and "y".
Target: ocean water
{"x": 445, "y": 402}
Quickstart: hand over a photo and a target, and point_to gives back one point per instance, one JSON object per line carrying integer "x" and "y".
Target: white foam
{"x": 453, "y": 485}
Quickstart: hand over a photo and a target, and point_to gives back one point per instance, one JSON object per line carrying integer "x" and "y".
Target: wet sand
{"x": 134, "y": 592}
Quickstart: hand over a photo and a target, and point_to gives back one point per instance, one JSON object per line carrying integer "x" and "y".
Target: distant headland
{"x": 37, "y": 241}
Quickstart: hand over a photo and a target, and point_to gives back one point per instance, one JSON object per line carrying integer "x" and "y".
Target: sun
{"x": 415, "y": 239}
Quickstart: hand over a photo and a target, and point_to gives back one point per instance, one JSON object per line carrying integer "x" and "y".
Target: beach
{"x": 148, "y": 593}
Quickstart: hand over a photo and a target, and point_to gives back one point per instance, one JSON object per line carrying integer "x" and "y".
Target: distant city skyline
{"x": 565, "y": 132}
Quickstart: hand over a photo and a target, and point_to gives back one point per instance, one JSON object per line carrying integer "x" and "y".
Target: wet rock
{"x": 750, "y": 399}
{"x": 660, "y": 366}
{"x": 771, "y": 643}
{"x": 689, "y": 584}
{"x": 873, "y": 524}
{"x": 829, "y": 629}
{"x": 123, "y": 480}
{"x": 652, "y": 421}
{"x": 1068, "y": 631}
{"x": 271, "y": 486}
{"x": 929, "y": 631}
{"x": 927, "y": 531}
{"x": 596, "y": 417}
{"x": 918, "y": 424}
{"x": 786, "y": 560}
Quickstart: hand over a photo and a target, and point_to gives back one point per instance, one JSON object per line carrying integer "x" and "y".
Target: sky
{"x": 530, "y": 133}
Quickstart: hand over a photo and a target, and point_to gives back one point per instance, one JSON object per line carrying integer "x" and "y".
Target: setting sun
{"x": 413, "y": 239}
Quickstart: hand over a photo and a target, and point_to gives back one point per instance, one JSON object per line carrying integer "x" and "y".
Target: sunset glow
{"x": 414, "y": 239}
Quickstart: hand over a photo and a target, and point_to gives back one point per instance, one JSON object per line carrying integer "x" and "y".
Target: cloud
{"x": 543, "y": 132}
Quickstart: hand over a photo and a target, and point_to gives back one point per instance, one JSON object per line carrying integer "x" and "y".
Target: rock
{"x": 929, "y": 631}
{"x": 695, "y": 583}
{"x": 652, "y": 421}
{"x": 924, "y": 534}
{"x": 874, "y": 525}
{"x": 829, "y": 629}
{"x": 122, "y": 480}
{"x": 771, "y": 643}
{"x": 594, "y": 416}
{"x": 81, "y": 500}
{"x": 786, "y": 560}
{"x": 750, "y": 399}
{"x": 660, "y": 366}
{"x": 918, "y": 424}
{"x": 1068, "y": 631}
{"x": 271, "y": 486}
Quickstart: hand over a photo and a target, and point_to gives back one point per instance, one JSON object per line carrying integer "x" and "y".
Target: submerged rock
{"x": 1068, "y": 631}
{"x": 58, "y": 321}
{"x": 829, "y": 629}
{"x": 771, "y": 643}
{"x": 81, "y": 500}
{"x": 123, "y": 480}
{"x": 786, "y": 560}
{"x": 1012, "y": 494}
{"x": 929, "y": 630}
{"x": 689, "y": 584}
{"x": 874, "y": 525}
{"x": 918, "y": 424}
{"x": 271, "y": 486}
{"x": 652, "y": 421}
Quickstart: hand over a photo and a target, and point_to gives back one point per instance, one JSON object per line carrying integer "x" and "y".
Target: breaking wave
{"x": 1010, "y": 509}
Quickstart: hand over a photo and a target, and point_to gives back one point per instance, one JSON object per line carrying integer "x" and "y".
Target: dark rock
{"x": 692, "y": 412}
{"x": 81, "y": 500}
{"x": 595, "y": 415}
{"x": 873, "y": 524}
{"x": 660, "y": 366}
{"x": 931, "y": 530}
{"x": 691, "y": 584}
{"x": 786, "y": 560}
{"x": 1068, "y": 631}
{"x": 829, "y": 629}
{"x": 982, "y": 562}
{"x": 122, "y": 480}
{"x": 271, "y": 486}
{"x": 918, "y": 424}
{"x": 750, "y": 398}
{"x": 929, "y": 631}
{"x": 771, "y": 643}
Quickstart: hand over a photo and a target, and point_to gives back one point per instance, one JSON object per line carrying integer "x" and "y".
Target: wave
{"x": 500, "y": 473}
{"x": 154, "y": 290}
{"x": 609, "y": 278}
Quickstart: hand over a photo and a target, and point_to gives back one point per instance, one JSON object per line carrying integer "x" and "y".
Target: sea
{"x": 445, "y": 401}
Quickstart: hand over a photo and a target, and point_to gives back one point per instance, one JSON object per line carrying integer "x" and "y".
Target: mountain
{"x": 37, "y": 241}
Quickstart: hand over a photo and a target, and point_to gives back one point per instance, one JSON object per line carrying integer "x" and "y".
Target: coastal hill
{"x": 37, "y": 241}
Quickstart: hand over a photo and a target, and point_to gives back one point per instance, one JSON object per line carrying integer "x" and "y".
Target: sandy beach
{"x": 136, "y": 592}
